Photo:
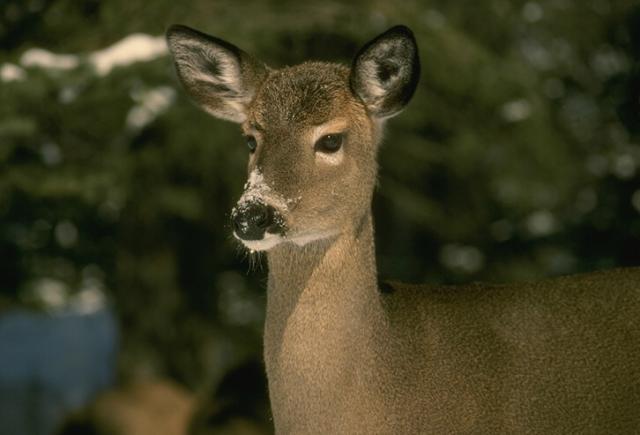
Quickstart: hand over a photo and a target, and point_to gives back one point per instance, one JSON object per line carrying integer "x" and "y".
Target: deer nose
{"x": 252, "y": 219}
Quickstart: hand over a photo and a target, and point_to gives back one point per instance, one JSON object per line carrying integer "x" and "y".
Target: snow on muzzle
{"x": 257, "y": 212}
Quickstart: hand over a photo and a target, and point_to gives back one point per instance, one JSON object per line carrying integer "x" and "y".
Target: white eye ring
{"x": 331, "y": 158}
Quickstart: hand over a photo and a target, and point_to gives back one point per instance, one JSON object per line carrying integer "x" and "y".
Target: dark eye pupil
{"x": 251, "y": 143}
{"x": 329, "y": 143}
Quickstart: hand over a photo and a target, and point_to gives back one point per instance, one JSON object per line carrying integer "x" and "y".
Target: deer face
{"x": 312, "y": 130}
{"x": 312, "y": 158}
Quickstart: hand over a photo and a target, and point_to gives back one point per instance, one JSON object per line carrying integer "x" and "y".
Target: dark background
{"x": 517, "y": 159}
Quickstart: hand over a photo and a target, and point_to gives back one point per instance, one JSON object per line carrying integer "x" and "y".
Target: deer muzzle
{"x": 252, "y": 219}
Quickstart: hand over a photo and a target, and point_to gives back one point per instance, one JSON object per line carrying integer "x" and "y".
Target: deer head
{"x": 312, "y": 129}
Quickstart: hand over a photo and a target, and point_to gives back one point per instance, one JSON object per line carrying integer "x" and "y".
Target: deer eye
{"x": 251, "y": 143}
{"x": 329, "y": 143}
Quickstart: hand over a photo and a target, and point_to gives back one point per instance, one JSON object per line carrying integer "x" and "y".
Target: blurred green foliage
{"x": 518, "y": 157}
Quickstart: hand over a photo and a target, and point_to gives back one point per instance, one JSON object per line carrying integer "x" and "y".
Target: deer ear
{"x": 219, "y": 76}
{"x": 386, "y": 71}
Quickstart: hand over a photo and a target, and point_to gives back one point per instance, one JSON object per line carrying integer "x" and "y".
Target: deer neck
{"x": 322, "y": 313}
{"x": 337, "y": 273}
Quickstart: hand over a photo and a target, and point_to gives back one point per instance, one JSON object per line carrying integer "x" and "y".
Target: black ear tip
{"x": 178, "y": 33}
{"x": 400, "y": 30}
{"x": 175, "y": 29}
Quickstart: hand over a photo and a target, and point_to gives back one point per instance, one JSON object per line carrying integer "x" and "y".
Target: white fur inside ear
{"x": 369, "y": 71}
{"x": 385, "y": 74}
{"x": 208, "y": 69}
{"x": 236, "y": 114}
{"x": 209, "y": 64}
{"x": 376, "y": 90}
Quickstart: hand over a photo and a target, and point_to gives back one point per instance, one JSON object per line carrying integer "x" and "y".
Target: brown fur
{"x": 288, "y": 103}
{"x": 344, "y": 357}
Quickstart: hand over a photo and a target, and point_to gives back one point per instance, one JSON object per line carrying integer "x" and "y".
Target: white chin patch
{"x": 270, "y": 240}
{"x": 267, "y": 242}
{"x": 304, "y": 239}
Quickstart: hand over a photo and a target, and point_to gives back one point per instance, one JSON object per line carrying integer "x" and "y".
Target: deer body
{"x": 346, "y": 354}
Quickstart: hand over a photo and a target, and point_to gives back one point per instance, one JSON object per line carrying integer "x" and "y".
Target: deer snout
{"x": 252, "y": 219}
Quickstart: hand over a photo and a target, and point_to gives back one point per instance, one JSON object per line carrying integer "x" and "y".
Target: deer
{"x": 347, "y": 353}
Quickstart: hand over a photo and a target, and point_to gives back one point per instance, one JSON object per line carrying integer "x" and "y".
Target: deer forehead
{"x": 304, "y": 96}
